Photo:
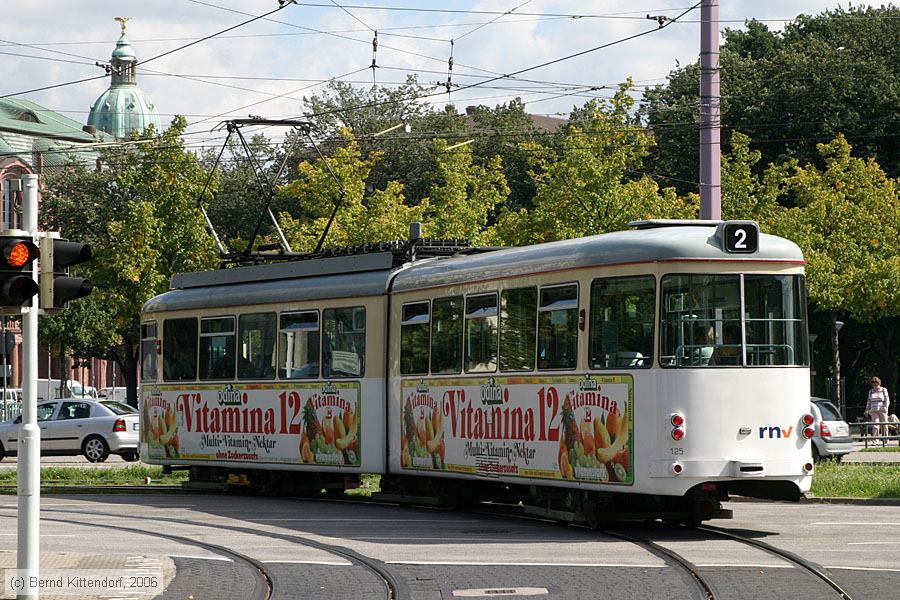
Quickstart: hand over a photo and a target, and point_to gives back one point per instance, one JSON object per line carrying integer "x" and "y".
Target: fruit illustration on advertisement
{"x": 311, "y": 420}
{"x": 305, "y": 451}
{"x": 328, "y": 428}
{"x": 615, "y": 454}
{"x": 587, "y": 434}
{"x": 570, "y": 429}
{"x": 422, "y": 437}
{"x": 164, "y": 431}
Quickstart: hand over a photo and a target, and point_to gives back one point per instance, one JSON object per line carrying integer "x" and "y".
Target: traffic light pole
{"x": 29, "y": 474}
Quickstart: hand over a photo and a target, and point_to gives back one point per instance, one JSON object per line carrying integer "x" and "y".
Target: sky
{"x": 266, "y": 67}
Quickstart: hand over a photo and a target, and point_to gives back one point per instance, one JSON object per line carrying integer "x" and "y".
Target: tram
{"x": 647, "y": 372}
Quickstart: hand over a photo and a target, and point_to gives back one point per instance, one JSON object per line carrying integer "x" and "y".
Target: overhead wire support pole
{"x": 710, "y": 113}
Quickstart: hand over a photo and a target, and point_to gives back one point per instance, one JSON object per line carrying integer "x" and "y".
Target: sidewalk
{"x": 880, "y": 458}
{"x": 93, "y": 566}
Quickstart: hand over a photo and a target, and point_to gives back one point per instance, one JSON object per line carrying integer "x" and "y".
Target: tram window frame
{"x": 514, "y": 331}
{"x": 545, "y": 363}
{"x": 442, "y": 361}
{"x": 228, "y": 360}
{"x": 760, "y": 331}
{"x": 421, "y": 321}
{"x": 637, "y": 355}
{"x": 730, "y": 331}
{"x": 179, "y": 353}
{"x": 492, "y": 312}
{"x": 343, "y": 345}
{"x": 265, "y": 369}
{"x": 306, "y": 371}
{"x": 149, "y": 360}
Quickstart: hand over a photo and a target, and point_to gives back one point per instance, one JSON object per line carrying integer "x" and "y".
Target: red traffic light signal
{"x": 57, "y": 288}
{"x": 17, "y": 284}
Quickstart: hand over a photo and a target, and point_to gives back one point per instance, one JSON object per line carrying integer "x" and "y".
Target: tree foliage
{"x": 140, "y": 216}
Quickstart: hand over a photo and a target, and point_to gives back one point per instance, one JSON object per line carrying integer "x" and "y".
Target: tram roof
{"x": 370, "y": 274}
{"x": 653, "y": 242}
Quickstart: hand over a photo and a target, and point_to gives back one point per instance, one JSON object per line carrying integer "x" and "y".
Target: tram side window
{"x": 256, "y": 357}
{"x": 700, "y": 321}
{"x": 344, "y": 342}
{"x": 775, "y": 321}
{"x": 482, "y": 324}
{"x": 148, "y": 351}
{"x": 518, "y": 328}
{"x": 622, "y": 316}
{"x": 414, "y": 328}
{"x": 558, "y": 327}
{"x": 217, "y": 348}
{"x": 298, "y": 345}
{"x": 446, "y": 335}
{"x": 180, "y": 349}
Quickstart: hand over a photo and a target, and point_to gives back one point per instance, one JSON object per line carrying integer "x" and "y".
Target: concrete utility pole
{"x": 710, "y": 118}
{"x": 29, "y": 473}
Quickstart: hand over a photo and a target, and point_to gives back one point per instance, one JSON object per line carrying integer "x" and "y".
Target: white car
{"x": 72, "y": 426}
{"x": 832, "y": 438}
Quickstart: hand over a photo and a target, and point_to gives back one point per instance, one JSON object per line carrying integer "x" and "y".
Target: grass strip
{"x": 834, "y": 479}
{"x": 880, "y": 449}
{"x": 131, "y": 475}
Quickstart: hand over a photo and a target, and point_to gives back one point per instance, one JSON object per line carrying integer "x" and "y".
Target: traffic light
{"x": 57, "y": 255}
{"x": 17, "y": 284}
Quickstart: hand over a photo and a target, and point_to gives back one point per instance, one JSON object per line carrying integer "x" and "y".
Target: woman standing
{"x": 877, "y": 405}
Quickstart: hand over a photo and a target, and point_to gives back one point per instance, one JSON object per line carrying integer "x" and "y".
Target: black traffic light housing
{"x": 57, "y": 288}
{"x": 17, "y": 284}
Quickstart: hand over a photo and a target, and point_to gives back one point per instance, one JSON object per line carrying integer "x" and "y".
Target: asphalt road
{"x": 437, "y": 554}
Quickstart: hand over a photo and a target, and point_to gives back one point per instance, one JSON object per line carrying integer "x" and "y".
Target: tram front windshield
{"x": 733, "y": 320}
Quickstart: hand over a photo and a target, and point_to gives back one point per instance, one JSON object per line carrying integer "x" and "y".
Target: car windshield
{"x": 119, "y": 408}
{"x": 829, "y": 411}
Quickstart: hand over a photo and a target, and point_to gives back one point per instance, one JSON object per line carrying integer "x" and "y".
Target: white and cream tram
{"x": 643, "y": 372}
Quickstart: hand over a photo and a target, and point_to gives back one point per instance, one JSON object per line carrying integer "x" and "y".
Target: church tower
{"x": 123, "y": 108}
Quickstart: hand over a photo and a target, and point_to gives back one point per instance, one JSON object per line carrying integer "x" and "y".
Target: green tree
{"x": 140, "y": 216}
{"x": 364, "y": 215}
{"x": 824, "y": 75}
{"x": 593, "y": 183}
{"x": 846, "y": 219}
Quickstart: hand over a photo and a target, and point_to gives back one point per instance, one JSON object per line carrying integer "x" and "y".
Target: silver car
{"x": 72, "y": 426}
{"x": 832, "y": 438}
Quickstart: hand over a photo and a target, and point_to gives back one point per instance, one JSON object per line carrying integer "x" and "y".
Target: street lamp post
{"x": 836, "y": 374}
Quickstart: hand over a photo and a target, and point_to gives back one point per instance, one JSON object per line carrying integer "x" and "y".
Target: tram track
{"x": 397, "y": 590}
{"x": 263, "y": 588}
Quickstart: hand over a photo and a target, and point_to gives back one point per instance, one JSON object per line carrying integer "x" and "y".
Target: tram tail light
{"x": 808, "y": 419}
{"x": 808, "y": 432}
{"x": 677, "y": 420}
{"x": 677, "y": 468}
{"x": 808, "y": 467}
{"x": 823, "y": 429}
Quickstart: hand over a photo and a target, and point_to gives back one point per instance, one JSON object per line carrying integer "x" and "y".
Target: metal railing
{"x": 890, "y": 432}
{"x": 10, "y": 411}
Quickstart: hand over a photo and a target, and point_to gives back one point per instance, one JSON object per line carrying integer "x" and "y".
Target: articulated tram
{"x": 649, "y": 372}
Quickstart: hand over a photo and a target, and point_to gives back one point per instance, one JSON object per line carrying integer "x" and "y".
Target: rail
{"x": 890, "y": 432}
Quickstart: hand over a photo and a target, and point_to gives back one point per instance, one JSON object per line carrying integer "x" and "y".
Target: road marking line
{"x": 850, "y": 523}
{"x": 710, "y": 565}
{"x": 337, "y": 563}
{"x": 871, "y": 543}
{"x": 43, "y": 535}
{"x": 473, "y": 521}
{"x": 221, "y": 558}
{"x": 864, "y": 569}
{"x": 454, "y": 563}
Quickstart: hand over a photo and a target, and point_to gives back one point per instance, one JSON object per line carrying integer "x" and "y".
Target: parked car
{"x": 72, "y": 426}
{"x": 832, "y": 438}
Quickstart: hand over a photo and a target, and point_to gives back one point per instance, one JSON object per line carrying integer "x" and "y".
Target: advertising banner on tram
{"x": 315, "y": 423}
{"x": 567, "y": 427}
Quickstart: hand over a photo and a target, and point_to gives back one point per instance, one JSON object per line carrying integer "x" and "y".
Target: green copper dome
{"x": 123, "y": 108}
